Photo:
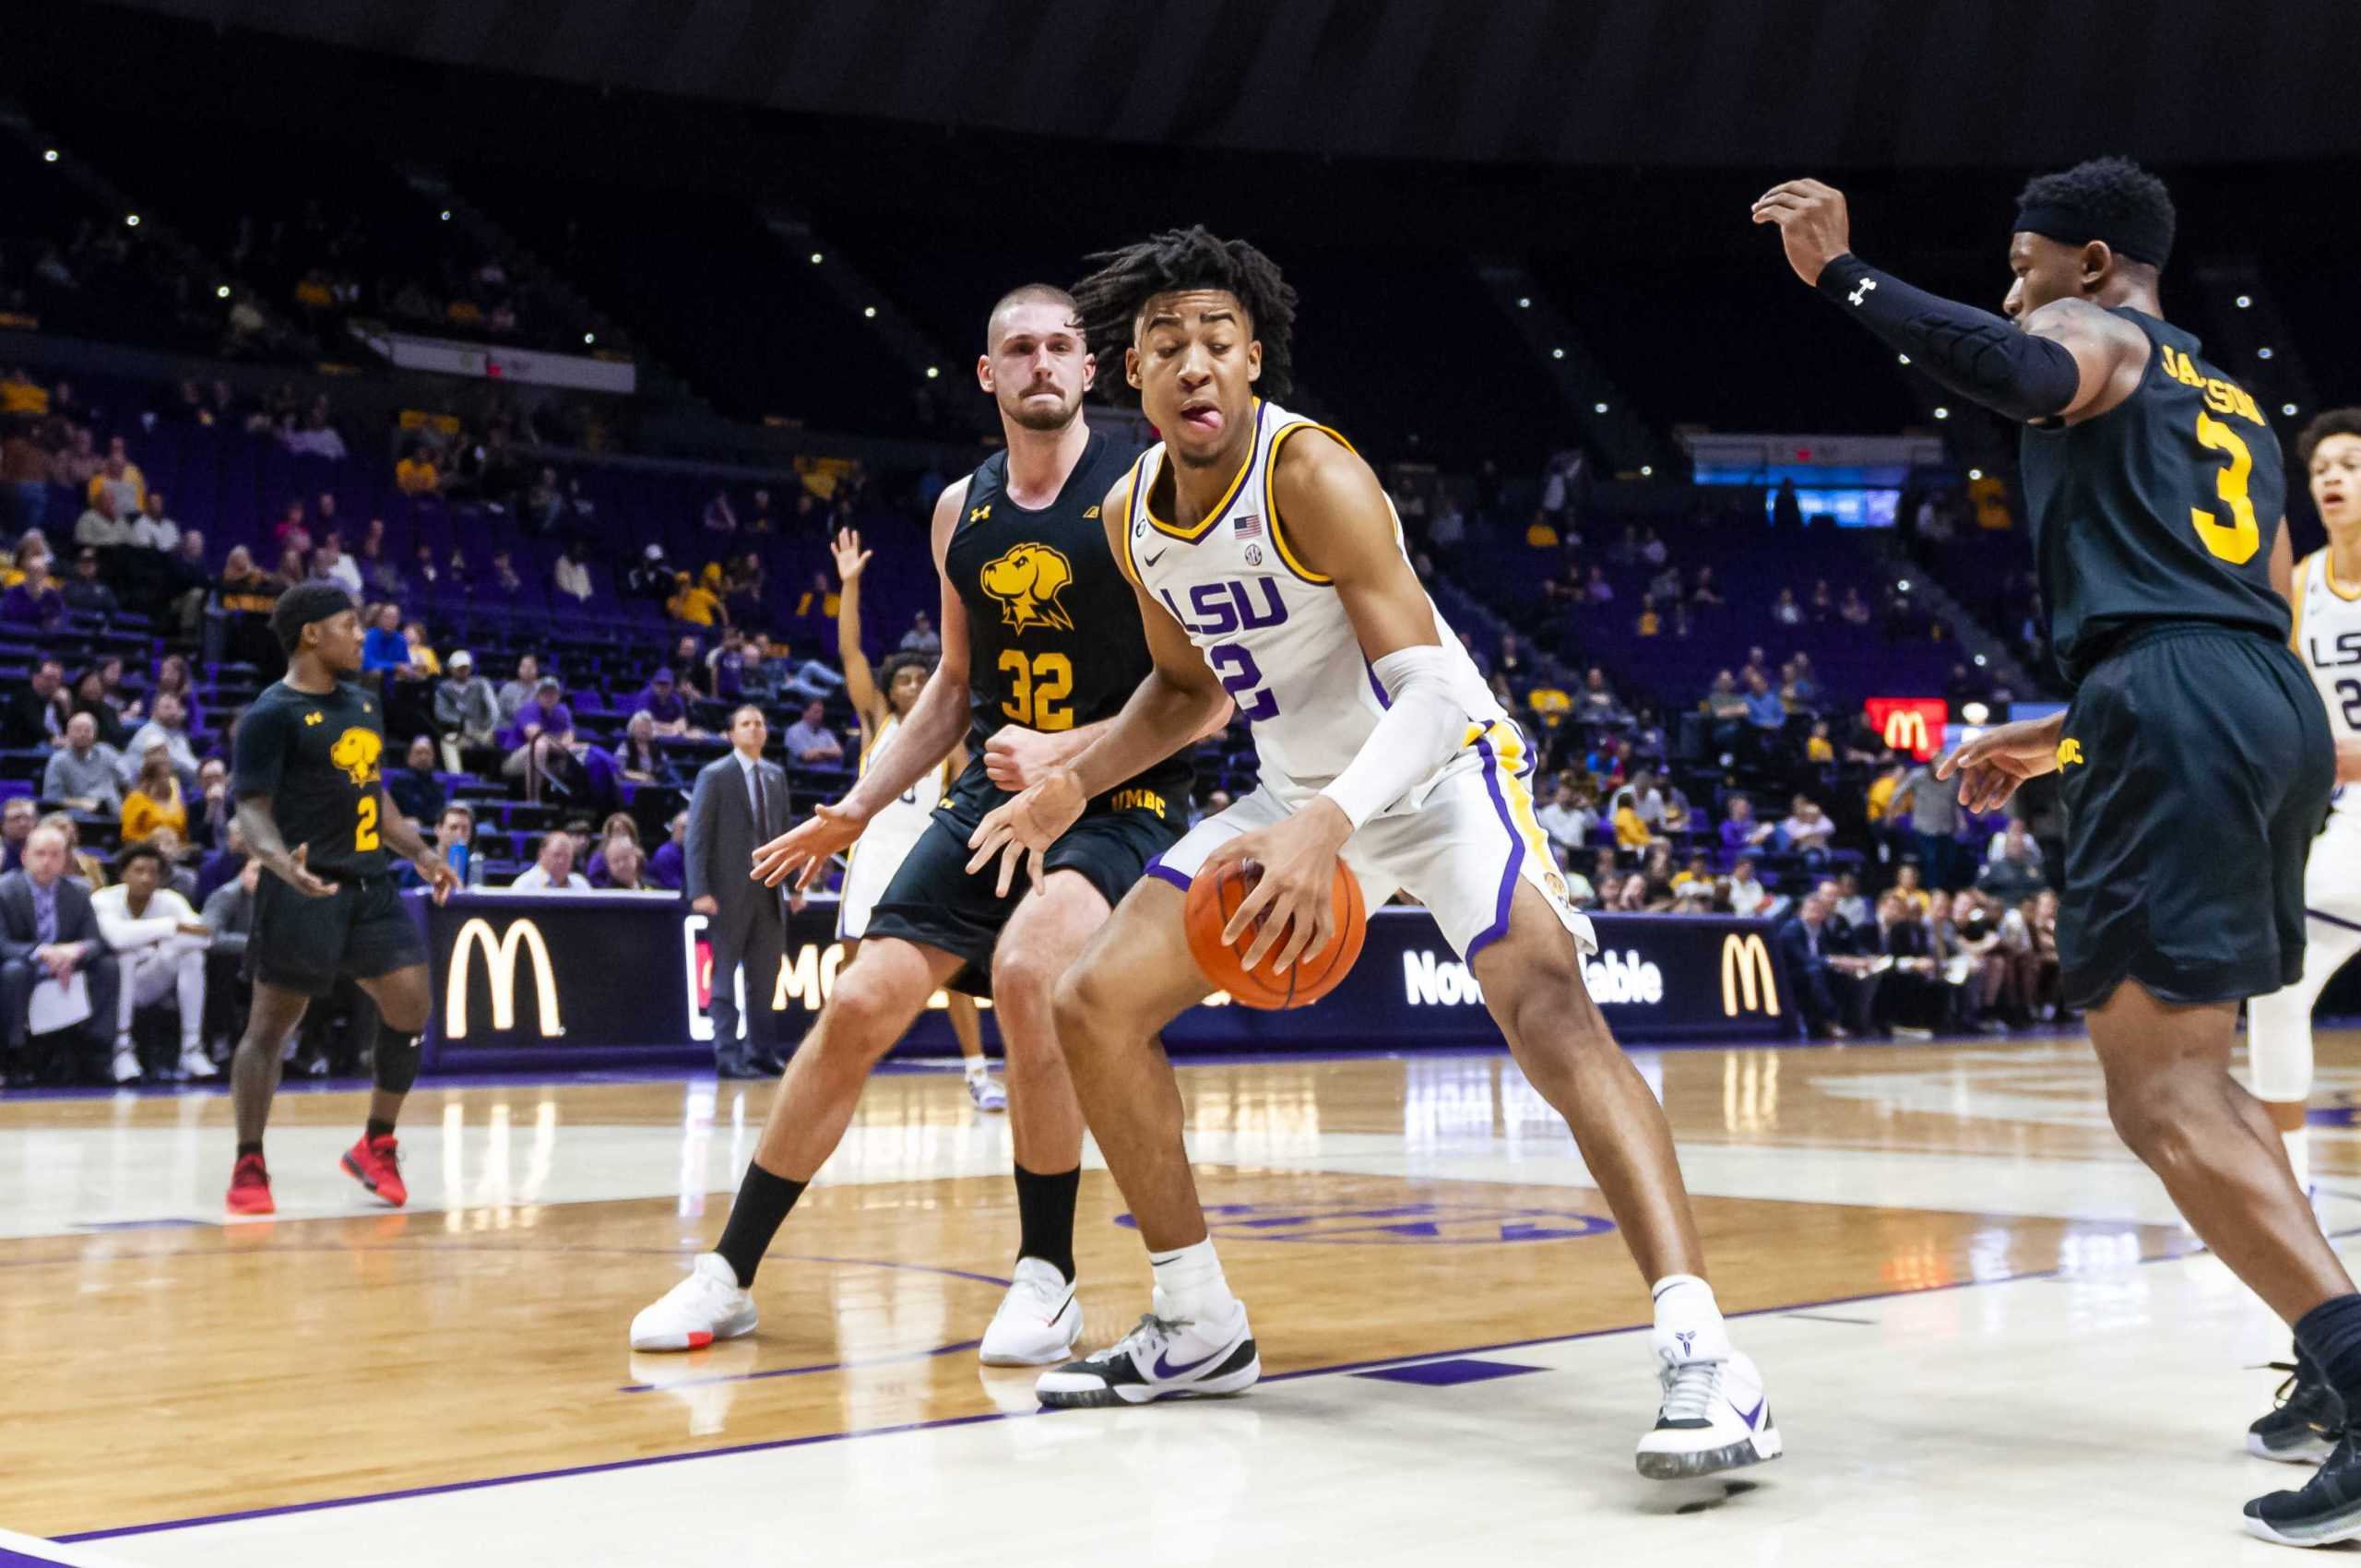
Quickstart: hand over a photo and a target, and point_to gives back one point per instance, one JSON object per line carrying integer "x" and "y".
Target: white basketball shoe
{"x": 1039, "y": 1320}
{"x": 1164, "y": 1358}
{"x": 706, "y": 1305}
{"x": 1715, "y": 1417}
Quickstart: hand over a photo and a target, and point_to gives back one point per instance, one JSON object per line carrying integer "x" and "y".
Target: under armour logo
{"x": 1858, "y": 295}
{"x": 979, "y": 514}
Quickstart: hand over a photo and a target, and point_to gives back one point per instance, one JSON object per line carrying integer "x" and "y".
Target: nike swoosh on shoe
{"x": 1164, "y": 1368}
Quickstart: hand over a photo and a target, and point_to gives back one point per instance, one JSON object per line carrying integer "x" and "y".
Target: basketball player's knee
{"x": 1025, "y": 983}
{"x": 2154, "y": 1108}
{"x": 867, "y": 1012}
{"x": 1083, "y": 1000}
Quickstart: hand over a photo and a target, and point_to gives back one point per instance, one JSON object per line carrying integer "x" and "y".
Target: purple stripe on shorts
{"x": 1499, "y": 928}
{"x": 1162, "y": 873}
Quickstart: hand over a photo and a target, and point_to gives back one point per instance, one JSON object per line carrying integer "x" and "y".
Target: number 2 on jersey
{"x": 1038, "y": 689}
{"x": 2237, "y": 539}
{"x": 365, "y": 832}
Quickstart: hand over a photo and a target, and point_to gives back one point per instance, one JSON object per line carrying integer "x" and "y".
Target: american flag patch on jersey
{"x": 1249, "y": 526}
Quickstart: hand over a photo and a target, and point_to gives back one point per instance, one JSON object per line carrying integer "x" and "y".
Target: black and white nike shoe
{"x": 2325, "y": 1510}
{"x": 1164, "y": 1358}
{"x": 1715, "y": 1417}
{"x": 2303, "y": 1429}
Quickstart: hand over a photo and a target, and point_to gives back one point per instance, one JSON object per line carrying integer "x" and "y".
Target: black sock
{"x": 763, "y": 1202}
{"x": 254, "y": 1148}
{"x": 2307, "y": 1369}
{"x": 1045, "y": 1217}
{"x": 373, "y": 1130}
{"x": 2330, "y": 1334}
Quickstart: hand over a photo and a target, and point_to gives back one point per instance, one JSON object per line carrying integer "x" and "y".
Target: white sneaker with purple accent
{"x": 1164, "y": 1358}
{"x": 1715, "y": 1417}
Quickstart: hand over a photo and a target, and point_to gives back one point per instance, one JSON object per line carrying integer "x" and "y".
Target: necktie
{"x": 761, "y": 803}
{"x": 45, "y": 918}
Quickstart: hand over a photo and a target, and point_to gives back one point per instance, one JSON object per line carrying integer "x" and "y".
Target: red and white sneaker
{"x": 376, "y": 1163}
{"x": 250, "y": 1187}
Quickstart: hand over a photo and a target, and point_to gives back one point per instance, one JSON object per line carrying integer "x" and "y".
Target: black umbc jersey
{"x": 2163, "y": 509}
{"x": 1053, "y": 627}
{"x": 316, "y": 754}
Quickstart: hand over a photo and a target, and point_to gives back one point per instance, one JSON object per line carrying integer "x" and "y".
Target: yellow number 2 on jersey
{"x": 1036, "y": 690}
{"x": 2237, "y": 539}
{"x": 365, "y": 832}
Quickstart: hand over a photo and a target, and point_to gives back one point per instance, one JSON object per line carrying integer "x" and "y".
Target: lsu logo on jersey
{"x": 1026, "y": 581}
{"x": 356, "y": 752}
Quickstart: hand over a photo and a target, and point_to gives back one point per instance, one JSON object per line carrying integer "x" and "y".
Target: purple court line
{"x": 945, "y": 1423}
{"x": 798, "y": 1371}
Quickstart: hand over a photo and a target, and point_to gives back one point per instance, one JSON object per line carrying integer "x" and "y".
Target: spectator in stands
{"x": 666, "y": 865}
{"x": 416, "y": 473}
{"x": 1568, "y": 821}
{"x": 1818, "y": 748}
{"x": 159, "y": 953}
{"x": 544, "y": 504}
{"x": 1912, "y": 998}
{"x": 152, "y": 529}
{"x": 414, "y": 787}
{"x": 1748, "y": 896}
{"x": 83, "y": 774}
{"x": 688, "y": 667}
{"x": 1834, "y": 988}
{"x": 1823, "y": 607}
{"x": 423, "y": 572}
{"x": 1852, "y": 906}
{"x": 1907, "y": 883}
{"x": 760, "y": 517}
{"x": 378, "y": 574}
{"x": 725, "y": 668}
{"x": 2013, "y": 864}
{"x": 545, "y": 715}
{"x": 649, "y": 577}
{"x": 315, "y": 436}
{"x": 662, "y": 704}
{"x": 552, "y": 868}
{"x": 639, "y": 756}
{"x": 172, "y": 679}
{"x": 1596, "y": 702}
{"x": 1598, "y": 589}
{"x": 383, "y": 646}
{"x": 1707, "y": 592}
{"x": 16, "y": 823}
{"x": 1651, "y": 549}
{"x": 517, "y": 691}
{"x": 246, "y": 594}
{"x": 809, "y": 741}
{"x": 719, "y": 515}
{"x": 503, "y": 585}
{"x": 921, "y": 638}
{"x": 569, "y": 575}
{"x": 695, "y": 603}
{"x": 1854, "y": 610}
{"x": 1763, "y": 708}
{"x": 168, "y": 724}
{"x": 36, "y": 713}
{"x": 24, "y": 475}
{"x": 49, "y": 934}
{"x": 619, "y": 828}
{"x": 98, "y": 528}
{"x": 454, "y": 840}
{"x": 1631, "y": 828}
{"x": 745, "y": 585}
{"x": 1651, "y": 623}
{"x": 626, "y": 867}
{"x": 35, "y": 601}
{"x": 1934, "y": 823}
{"x": 1740, "y": 832}
{"x": 154, "y": 800}
{"x": 291, "y": 532}
{"x": 80, "y": 863}
{"x": 424, "y": 665}
{"x": 229, "y": 919}
{"x": 2041, "y": 924}
{"x": 1797, "y": 687}
{"x": 1808, "y": 831}
{"x": 84, "y": 592}
{"x": 217, "y": 808}
{"x": 1725, "y": 710}
{"x": 330, "y": 564}
{"x": 119, "y": 488}
{"x": 91, "y": 697}
{"x": 467, "y": 711}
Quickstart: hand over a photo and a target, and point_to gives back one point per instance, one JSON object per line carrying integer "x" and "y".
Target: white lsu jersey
{"x": 905, "y": 816}
{"x": 2327, "y": 637}
{"x": 1272, "y": 630}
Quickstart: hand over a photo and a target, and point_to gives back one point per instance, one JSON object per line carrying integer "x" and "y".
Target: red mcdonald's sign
{"x": 1914, "y": 725}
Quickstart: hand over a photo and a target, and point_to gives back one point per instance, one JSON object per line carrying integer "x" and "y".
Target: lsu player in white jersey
{"x": 880, "y": 700}
{"x": 2323, "y": 592}
{"x": 1269, "y": 568}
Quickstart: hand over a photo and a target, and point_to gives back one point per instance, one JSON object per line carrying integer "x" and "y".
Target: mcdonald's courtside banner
{"x": 605, "y": 979}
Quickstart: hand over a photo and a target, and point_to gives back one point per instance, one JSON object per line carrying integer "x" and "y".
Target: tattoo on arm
{"x": 401, "y": 835}
{"x": 261, "y": 830}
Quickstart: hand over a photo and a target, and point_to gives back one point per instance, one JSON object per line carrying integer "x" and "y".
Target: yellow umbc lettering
{"x": 1137, "y": 800}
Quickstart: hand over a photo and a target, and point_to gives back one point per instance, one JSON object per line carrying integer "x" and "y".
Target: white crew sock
{"x": 2299, "y": 1155}
{"x": 1189, "y": 1284}
{"x": 1689, "y": 1321}
{"x": 978, "y": 1069}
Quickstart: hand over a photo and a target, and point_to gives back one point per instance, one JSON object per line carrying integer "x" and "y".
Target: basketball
{"x": 1213, "y": 899}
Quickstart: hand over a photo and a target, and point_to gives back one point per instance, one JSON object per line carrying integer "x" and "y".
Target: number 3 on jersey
{"x": 365, "y": 832}
{"x": 1038, "y": 689}
{"x": 2237, "y": 539}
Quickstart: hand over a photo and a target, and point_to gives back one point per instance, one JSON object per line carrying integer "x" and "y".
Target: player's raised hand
{"x": 1991, "y": 765}
{"x": 1290, "y": 905}
{"x": 803, "y": 850}
{"x": 299, "y": 876}
{"x": 850, "y": 556}
{"x": 1018, "y": 758}
{"x": 441, "y": 880}
{"x": 1026, "y": 827}
{"x": 1813, "y": 222}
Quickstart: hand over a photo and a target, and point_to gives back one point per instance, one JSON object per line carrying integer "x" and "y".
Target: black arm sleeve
{"x": 1976, "y": 354}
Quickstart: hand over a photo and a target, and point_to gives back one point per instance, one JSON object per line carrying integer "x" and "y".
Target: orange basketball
{"x": 1213, "y": 899}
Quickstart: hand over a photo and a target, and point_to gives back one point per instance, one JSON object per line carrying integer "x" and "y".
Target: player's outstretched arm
{"x": 861, "y": 683}
{"x": 270, "y": 851}
{"x": 2071, "y": 359}
{"x": 1991, "y": 765}
{"x": 403, "y": 838}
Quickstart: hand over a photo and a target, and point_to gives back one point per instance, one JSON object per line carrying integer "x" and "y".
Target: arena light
{"x": 589, "y": 337}
{"x": 1974, "y": 713}
{"x": 1975, "y": 473}
{"x": 1981, "y": 662}
{"x": 446, "y": 214}
{"x": 1647, "y": 471}
{"x": 1556, "y": 353}
{"x": 2263, "y": 352}
{"x": 1524, "y": 302}
{"x": 933, "y": 371}
{"x": 1598, "y": 407}
{"x": 2288, "y": 409}
{"x": 817, "y": 258}
{"x": 131, "y": 221}
{"x": 1943, "y": 413}
{"x": 1903, "y": 357}
{"x": 2246, "y": 302}
{"x": 869, "y": 312}
{"x": 221, "y": 291}
{"x": 1903, "y": 584}
{"x": 49, "y": 156}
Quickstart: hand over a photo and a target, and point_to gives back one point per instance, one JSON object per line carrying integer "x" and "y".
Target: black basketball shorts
{"x": 362, "y": 930}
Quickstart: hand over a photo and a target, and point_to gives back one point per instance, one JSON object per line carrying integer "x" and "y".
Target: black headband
{"x": 2138, "y": 237}
{"x": 300, "y": 606}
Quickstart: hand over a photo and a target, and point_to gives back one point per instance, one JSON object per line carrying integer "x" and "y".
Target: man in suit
{"x": 740, "y": 802}
{"x": 49, "y": 932}
{"x": 1835, "y": 987}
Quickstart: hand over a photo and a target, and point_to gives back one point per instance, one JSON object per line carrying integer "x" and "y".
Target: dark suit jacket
{"x": 1794, "y": 940}
{"x": 723, "y": 833}
{"x": 76, "y": 922}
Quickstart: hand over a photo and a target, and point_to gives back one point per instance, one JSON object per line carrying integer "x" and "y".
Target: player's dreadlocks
{"x": 1178, "y": 259}
{"x": 2106, "y": 199}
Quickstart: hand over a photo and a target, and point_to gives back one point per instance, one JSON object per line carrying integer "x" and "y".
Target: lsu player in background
{"x": 1269, "y": 568}
{"x": 2323, "y": 590}
{"x": 881, "y": 699}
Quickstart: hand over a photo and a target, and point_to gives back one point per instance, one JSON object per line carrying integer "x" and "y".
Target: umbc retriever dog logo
{"x": 1026, "y": 581}
{"x": 356, "y": 752}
